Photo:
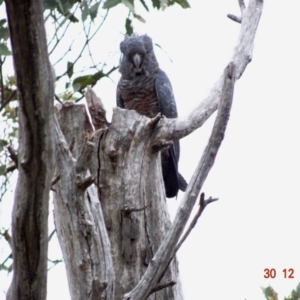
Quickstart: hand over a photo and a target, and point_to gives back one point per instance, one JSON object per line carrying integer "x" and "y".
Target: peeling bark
{"x": 78, "y": 216}
{"x": 132, "y": 196}
{"x": 126, "y": 167}
{"x": 109, "y": 199}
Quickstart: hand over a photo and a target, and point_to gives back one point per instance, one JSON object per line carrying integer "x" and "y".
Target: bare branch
{"x": 7, "y": 237}
{"x": 129, "y": 210}
{"x": 157, "y": 146}
{"x": 96, "y": 109}
{"x": 11, "y": 96}
{"x": 78, "y": 213}
{"x": 242, "y": 5}
{"x": 51, "y": 235}
{"x": 162, "y": 286}
{"x": 85, "y": 183}
{"x": 54, "y": 263}
{"x": 1, "y": 80}
{"x": 55, "y": 179}
{"x": 88, "y": 39}
{"x": 58, "y": 39}
{"x": 242, "y": 8}
{"x": 167, "y": 249}
{"x": 10, "y": 169}
{"x": 2, "y": 265}
{"x": 202, "y": 205}
{"x": 234, "y": 18}
{"x": 175, "y": 129}
{"x": 13, "y": 155}
{"x": 155, "y": 120}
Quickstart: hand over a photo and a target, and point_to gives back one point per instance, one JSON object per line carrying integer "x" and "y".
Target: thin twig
{"x": 167, "y": 249}
{"x": 1, "y": 82}
{"x": 236, "y": 18}
{"x": 84, "y": 46}
{"x": 162, "y": 286}
{"x": 10, "y": 169}
{"x": 13, "y": 155}
{"x": 202, "y": 205}
{"x": 55, "y": 180}
{"x": 51, "y": 235}
{"x": 8, "y": 99}
{"x": 242, "y": 5}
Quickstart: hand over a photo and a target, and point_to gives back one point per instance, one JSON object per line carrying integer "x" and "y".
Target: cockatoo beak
{"x": 137, "y": 60}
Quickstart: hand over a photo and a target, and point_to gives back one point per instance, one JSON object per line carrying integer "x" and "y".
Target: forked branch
{"x": 175, "y": 129}
{"x": 167, "y": 249}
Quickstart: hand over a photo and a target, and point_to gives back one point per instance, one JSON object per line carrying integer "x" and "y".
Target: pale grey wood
{"x": 170, "y": 129}
{"x": 132, "y": 196}
{"x": 123, "y": 159}
{"x": 167, "y": 248}
{"x": 174, "y": 129}
{"x": 78, "y": 216}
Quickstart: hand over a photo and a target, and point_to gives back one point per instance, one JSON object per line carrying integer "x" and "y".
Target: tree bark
{"x": 78, "y": 216}
{"x": 125, "y": 165}
{"x": 134, "y": 208}
{"x": 36, "y": 149}
{"x": 132, "y": 195}
{"x": 110, "y": 209}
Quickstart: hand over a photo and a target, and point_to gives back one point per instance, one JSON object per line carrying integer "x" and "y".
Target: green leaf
{"x": 4, "y": 50}
{"x": 3, "y": 143}
{"x": 67, "y": 5}
{"x": 94, "y": 10}
{"x": 164, "y": 4}
{"x": 60, "y": 7}
{"x": 98, "y": 76}
{"x": 50, "y": 4}
{"x": 128, "y": 27}
{"x": 270, "y": 293}
{"x": 4, "y": 33}
{"x": 2, "y": 22}
{"x": 129, "y": 5}
{"x": 64, "y": 7}
{"x": 140, "y": 18}
{"x": 145, "y": 5}
{"x": 2, "y": 169}
{"x": 111, "y": 3}
{"x": 70, "y": 69}
{"x": 156, "y": 4}
{"x": 82, "y": 82}
{"x": 85, "y": 11}
{"x": 183, "y": 3}
{"x": 71, "y": 17}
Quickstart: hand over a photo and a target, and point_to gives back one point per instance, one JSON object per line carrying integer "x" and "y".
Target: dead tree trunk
{"x": 138, "y": 258}
{"x": 110, "y": 210}
{"x": 127, "y": 171}
{"x": 136, "y": 253}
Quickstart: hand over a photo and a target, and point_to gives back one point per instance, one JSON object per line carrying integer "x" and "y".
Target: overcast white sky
{"x": 255, "y": 224}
